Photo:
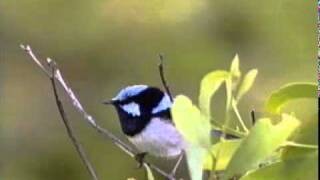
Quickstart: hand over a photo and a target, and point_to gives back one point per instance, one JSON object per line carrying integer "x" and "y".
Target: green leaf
{"x": 305, "y": 167}
{"x": 196, "y": 129}
{"x": 234, "y": 69}
{"x": 149, "y": 173}
{"x": 290, "y": 92}
{"x": 263, "y": 139}
{"x": 247, "y": 83}
{"x": 307, "y": 131}
{"x": 223, "y": 151}
{"x": 209, "y": 85}
{"x": 304, "y": 141}
{"x": 195, "y": 158}
{"x": 290, "y": 152}
{"x": 194, "y": 126}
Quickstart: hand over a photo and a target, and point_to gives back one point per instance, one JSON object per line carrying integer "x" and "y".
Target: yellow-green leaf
{"x": 304, "y": 141}
{"x": 223, "y": 151}
{"x": 195, "y": 158}
{"x": 194, "y": 126}
{"x": 263, "y": 139}
{"x": 290, "y": 92}
{"x": 307, "y": 131}
{"x": 196, "y": 129}
{"x": 209, "y": 85}
{"x": 301, "y": 168}
{"x": 247, "y": 83}
{"x": 234, "y": 69}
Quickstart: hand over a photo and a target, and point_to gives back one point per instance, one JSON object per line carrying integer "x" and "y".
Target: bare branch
{"x": 163, "y": 79}
{"x": 89, "y": 119}
{"x": 28, "y": 50}
{"x": 69, "y": 129}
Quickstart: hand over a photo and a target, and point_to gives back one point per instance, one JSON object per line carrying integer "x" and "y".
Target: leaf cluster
{"x": 269, "y": 149}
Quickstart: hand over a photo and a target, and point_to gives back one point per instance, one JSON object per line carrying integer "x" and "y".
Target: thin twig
{"x": 28, "y": 50}
{"x": 167, "y": 89}
{"x": 163, "y": 79}
{"x": 89, "y": 119}
{"x": 253, "y": 117}
{"x": 176, "y": 166}
{"x": 69, "y": 130}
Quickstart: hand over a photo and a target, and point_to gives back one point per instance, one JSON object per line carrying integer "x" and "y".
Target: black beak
{"x": 108, "y": 102}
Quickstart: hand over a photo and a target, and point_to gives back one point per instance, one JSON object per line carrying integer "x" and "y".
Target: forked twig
{"x": 177, "y": 164}
{"x": 69, "y": 129}
{"x": 89, "y": 119}
{"x": 163, "y": 79}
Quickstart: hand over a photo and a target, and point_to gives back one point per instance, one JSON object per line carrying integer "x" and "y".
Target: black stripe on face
{"x": 165, "y": 114}
{"x": 132, "y": 125}
{"x": 150, "y": 99}
{"x": 147, "y": 99}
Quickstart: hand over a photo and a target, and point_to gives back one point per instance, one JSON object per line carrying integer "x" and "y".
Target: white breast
{"x": 159, "y": 138}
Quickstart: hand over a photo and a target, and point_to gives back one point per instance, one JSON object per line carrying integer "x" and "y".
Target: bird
{"x": 145, "y": 118}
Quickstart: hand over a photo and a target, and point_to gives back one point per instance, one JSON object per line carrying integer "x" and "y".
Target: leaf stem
{"x": 294, "y": 144}
{"x": 235, "y": 109}
{"x": 229, "y": 130}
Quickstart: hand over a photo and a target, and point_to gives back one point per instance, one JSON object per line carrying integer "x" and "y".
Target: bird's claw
{"x": 140, "y": 158}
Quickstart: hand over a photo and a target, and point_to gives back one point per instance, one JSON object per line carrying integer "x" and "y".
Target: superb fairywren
{"x": 145, "y": 118}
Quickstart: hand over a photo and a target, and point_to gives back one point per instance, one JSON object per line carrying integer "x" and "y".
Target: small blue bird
{"x": 145, "y": 118}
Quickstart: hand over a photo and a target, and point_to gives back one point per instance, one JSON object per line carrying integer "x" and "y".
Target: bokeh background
{"x": 102, "y": 46}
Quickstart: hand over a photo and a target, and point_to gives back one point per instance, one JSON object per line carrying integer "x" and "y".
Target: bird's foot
{"x": 140, "y": 158}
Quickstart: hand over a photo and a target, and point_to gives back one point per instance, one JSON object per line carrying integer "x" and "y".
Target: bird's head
{"x": 137, "y": 104}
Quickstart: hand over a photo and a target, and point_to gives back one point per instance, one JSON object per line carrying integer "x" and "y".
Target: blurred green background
{"x": 102, "y": 46}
